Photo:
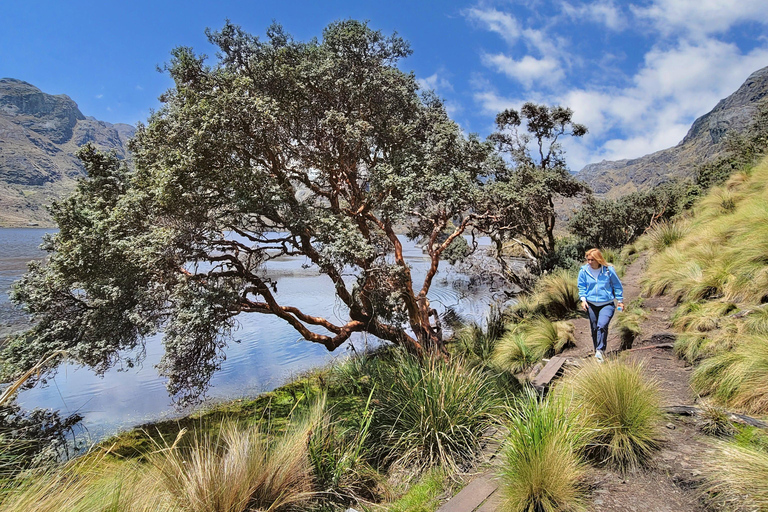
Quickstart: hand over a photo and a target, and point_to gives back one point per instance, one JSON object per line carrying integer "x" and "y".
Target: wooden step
{"x": 548, "y": 373}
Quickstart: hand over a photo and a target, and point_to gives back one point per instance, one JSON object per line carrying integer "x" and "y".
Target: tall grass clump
{"x": 512, "y": 353}
{"x": 237, "y": 469}
{"x": 738, "y": 377}
{"x": 666, "y": 233}
{"x": 702, "y": 315}
{"x": 620, "y": 408}
{"x": 628, "y": 324}
{"x": 541, "y": 469}
{"x": 558, "y": 293}
{"x": 546, "y": 338}
{"x": 91, "y": 483}
{"x": 339, "y": 456}
{"x": 430, "y": 412}
{"x": 475, "y": 343}
{"x": 737, "y": 477}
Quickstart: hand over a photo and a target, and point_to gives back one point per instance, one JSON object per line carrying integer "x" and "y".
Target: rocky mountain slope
{"x": 703, "y": 142}
{"x": 39, "y": 135}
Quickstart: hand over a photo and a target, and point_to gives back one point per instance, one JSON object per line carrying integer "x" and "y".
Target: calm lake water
{"x": 268, "y": 353}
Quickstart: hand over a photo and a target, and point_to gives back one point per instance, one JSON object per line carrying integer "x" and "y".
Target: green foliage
{"x": 316, "y": 149}
{"x": 541, "y": 469}
{"x": 431, "y": 413}
{"x": 616, "y": 222}
{"x": 522, "y": 195}
{"x": 512, "y": 352}
{"x": 424, "y": 495}
{"x": 702, "y": 315}
{"x": 475, "y": 344}
{"x": 621, "y": 410}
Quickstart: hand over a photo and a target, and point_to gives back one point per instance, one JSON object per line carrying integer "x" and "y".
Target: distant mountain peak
{"x": 703, "y": 142}
{"x": 39, "y": 136}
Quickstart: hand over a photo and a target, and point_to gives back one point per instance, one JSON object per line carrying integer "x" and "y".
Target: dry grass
{"x": 737, "y": 477}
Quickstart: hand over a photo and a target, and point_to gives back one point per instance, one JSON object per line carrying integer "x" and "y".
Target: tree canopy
{"x": 321, "y": 149}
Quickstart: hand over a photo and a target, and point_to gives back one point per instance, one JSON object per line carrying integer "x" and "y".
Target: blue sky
{"x": 637, "y": 74}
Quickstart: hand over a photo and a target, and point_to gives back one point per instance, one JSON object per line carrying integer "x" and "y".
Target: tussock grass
{"x": 666, "y": 233}
{"x": 431, "y": 413}
{"x": 739, "y": 377}
{"x": 715, "y": 422}
{"x": 87, "y": 484}
{"x": 556, "y": 295}
{"x": 702, "y": 316}
{"x": 756, "y": 322}
{"x": 512, "y": 353}
{"x": 620, "y": 408}
{"x": 691, "y": 346}
{"x": 541, "y": 469}
{"x": 737, "y": 477}
{"x": 528, "y": 342}
{"x": 475, "y": 343}
{"x": 628, "y": 324}
{"x": 546, "y": 338}
{"x": 237, "y": 469}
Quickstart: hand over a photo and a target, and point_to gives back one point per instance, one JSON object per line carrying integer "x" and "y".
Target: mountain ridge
{"x": 703, "y": 142}
{"x": 39, "y": 136}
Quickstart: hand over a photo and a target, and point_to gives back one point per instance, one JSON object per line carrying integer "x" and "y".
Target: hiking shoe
{"x": 599, "y": 355}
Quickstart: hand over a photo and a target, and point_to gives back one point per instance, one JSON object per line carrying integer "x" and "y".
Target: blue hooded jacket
{"x": 601, "y": 290}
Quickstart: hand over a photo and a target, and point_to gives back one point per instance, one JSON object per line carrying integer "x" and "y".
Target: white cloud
{"x": 528, "y": 70}
{"x": 99, "y": 96}
{"x": 604, "y": 12}
{"x": 435, "y": 82}
{"x": 701, "y": 17}
{"x": 499, "y": 22}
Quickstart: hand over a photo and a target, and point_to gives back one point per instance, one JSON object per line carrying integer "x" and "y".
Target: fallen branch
{"x": 687, "y": 410}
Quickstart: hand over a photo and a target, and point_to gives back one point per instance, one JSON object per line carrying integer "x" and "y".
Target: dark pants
{"x": 599, "y": 318}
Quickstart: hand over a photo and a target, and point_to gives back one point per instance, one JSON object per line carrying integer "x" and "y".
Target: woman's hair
{"x": 596, "y": 255}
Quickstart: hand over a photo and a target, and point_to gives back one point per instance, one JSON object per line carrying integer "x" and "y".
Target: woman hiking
{"x": 598, "y": 287}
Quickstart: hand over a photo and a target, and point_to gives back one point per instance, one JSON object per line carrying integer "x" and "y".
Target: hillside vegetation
{"x": 715, "y": 263}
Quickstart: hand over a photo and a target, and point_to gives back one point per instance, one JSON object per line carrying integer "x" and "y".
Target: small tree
{"x": 525, "y": 188}
{"x": 283, "y": 148}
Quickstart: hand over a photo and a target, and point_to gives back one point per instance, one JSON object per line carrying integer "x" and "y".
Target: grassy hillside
{"x": 715, "y": 263}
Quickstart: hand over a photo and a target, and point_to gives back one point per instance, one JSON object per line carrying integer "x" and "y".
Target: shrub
{"x": 541, "y": 469}
{"x": 431, "y": 413}
{"x": 738, "y": 477}
{"x": 620, "y": 407}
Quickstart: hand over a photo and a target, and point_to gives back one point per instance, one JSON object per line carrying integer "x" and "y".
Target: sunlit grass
{"x": 737, "y": 477}
{"x": 541, "y": 469}
{"x": 738, "y": 377}
{"x": 621, "y": 409}
{"x": 430, "y": 413}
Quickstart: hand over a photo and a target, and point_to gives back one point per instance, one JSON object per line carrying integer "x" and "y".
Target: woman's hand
{"x": 584, "y": 305}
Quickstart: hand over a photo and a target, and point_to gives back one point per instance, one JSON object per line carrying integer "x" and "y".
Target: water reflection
{"x": 267, "y": 351}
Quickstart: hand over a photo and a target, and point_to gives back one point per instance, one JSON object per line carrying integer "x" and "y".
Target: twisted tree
{"x": 320, "y": 149}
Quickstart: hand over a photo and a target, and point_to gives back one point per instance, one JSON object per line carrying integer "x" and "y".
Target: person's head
{"x": 595, "y": 258}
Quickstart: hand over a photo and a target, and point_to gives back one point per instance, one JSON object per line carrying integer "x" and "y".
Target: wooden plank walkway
{"x": 549, "y": 372}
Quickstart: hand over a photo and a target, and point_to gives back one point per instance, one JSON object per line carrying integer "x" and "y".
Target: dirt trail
{"x": 668, "y": 485}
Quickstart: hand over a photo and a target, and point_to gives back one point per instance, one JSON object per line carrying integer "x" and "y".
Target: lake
{"x": 268, "y": 353}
